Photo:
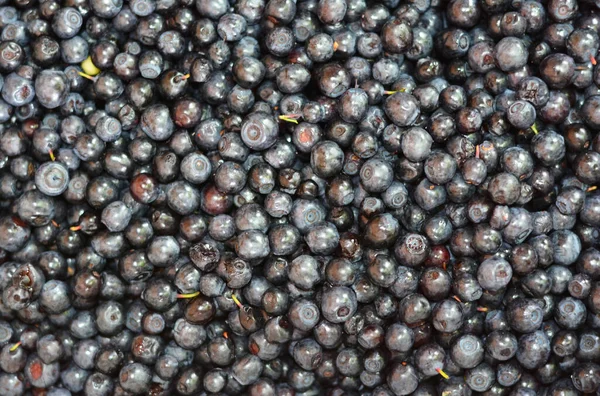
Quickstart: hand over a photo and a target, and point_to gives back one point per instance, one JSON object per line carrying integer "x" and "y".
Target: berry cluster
{"x": 299, "y": 197}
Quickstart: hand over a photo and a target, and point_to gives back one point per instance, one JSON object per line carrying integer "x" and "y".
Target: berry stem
{"x": 288, "y": 118}
{"x": 442, "y": 373}
{"x": 89, "y": 68}
{"x": 188, "y": 295}
{"x": 393, "y": 92}
{"x": 82, "y": 74}
{"x": 534, "y": 128}
{"x": 236, "y": 301}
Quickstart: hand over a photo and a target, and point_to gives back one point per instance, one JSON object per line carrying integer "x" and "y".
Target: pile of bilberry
{"x": 311, "y": 197}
